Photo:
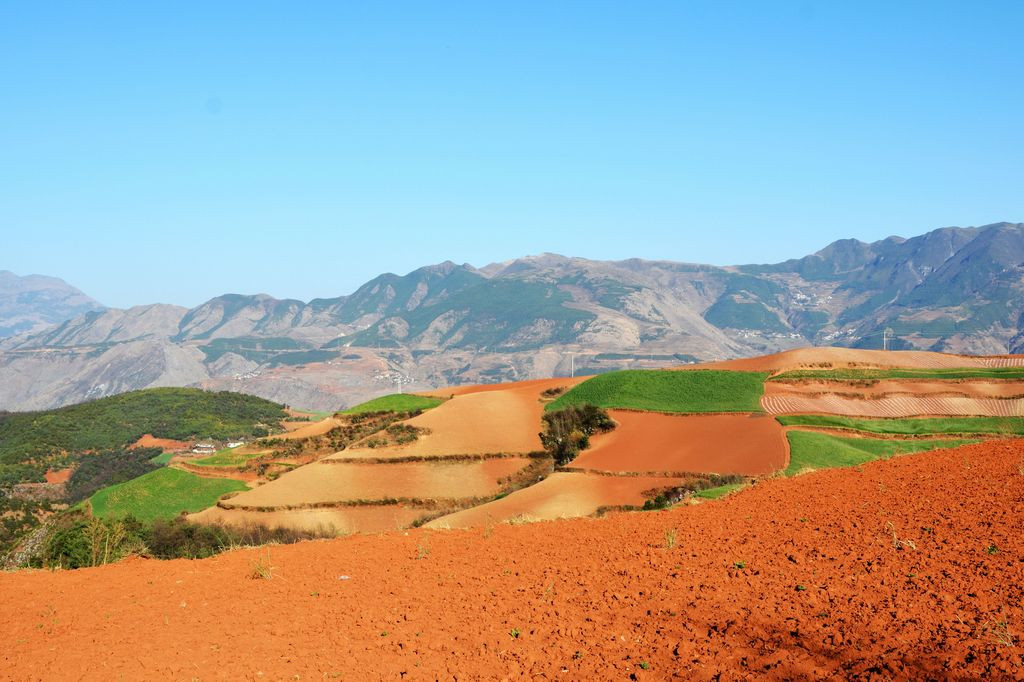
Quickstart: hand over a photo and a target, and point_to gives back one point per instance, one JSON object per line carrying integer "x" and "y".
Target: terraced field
{"x": 161, "y": 494}
{"x": 724, "y": 444}
{"x": 818, "y": 358}
{"x": 473, "y": 423}
{"x": 997, "y": 426}
{"x": 694, "y": 391}
{"x": 812, "y": 451}
{"x": 877, "y": 388}
{"x": 337, "y": 520}
{"x": 471, "y": 442}
{"x": 893, "y": 406}
{"x": 341, "y": 483}
{"x": 560, "y": 495}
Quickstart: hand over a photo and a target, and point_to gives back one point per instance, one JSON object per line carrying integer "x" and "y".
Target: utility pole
{"x": 886, "y": 336}
{"x": 572, "y": 365}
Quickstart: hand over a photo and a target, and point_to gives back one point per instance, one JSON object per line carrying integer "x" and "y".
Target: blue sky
{"x": 175, "y": 151}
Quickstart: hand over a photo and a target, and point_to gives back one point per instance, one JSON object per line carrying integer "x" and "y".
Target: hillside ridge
{"x": 955, "y": 290}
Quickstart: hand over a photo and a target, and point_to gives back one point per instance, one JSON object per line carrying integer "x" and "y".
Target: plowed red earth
{"x": 149, "y": 441}
{"x": 723, "y": 444}
{"x": 60, "y": 476}
{"x": 830, "y": 587}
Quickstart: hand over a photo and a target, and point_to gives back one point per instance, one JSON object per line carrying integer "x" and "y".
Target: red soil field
{"x": 341, "y": 520}
{"x": 881, "y": 572}
{"x": 826, "y": 358}
{"x": 168, "y": 445}
{"x": 60, "y": 476}
{"x": 323, "y": 483}
{"x": 722, "y": 444}
{"x": 560, "y": 495}
{"x": 893, "y": 406}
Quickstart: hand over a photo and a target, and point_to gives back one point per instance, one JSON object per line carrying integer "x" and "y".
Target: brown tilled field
{"x": 973, "y": 388}
{"x": 723, "y": 444}
{"x": 893, "y": 406}
{"x": 906, "y": 568}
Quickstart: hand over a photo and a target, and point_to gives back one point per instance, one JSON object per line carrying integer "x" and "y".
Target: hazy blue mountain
{"x": 34, "y": 302}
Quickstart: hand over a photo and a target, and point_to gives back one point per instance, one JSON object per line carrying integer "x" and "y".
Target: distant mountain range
{"x": 952, "y": 289}
{"x": 33, "y": 303}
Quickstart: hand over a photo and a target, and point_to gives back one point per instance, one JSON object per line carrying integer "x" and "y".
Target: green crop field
{"x": 161, "y": 494}
{"x": 163, "y": 458}
{"x": 678, "y": 391}
{"x": 822, "y": 451}
{"x": 396, "y": 402}
{"x": 1008, "y": 426}
{"x": 228, "y": 457}
{"x": 1001, "y": 373}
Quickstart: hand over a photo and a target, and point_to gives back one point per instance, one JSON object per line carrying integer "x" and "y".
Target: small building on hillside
{"x": 203, "y": 448}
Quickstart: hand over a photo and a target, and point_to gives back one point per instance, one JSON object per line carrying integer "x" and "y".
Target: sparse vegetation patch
{"x": 567, "y": 431}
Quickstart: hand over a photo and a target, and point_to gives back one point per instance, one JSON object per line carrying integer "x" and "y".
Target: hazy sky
{"x": 175, "y": 151}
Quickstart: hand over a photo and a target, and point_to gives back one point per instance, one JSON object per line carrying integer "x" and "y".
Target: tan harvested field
{"x": 309, "y": 429}
{"x": 561, "y": 495}
{"x": 478, "y": 423}
{"x": 723, "y": 444}
{"x": 292, "y": 426}
{"x": 832, "y": 357}
{"x": 882, "y": 387}
{"x": 894, "y": 406}
{"x": 322, "y": 483}
{"x": 343, "y": 520}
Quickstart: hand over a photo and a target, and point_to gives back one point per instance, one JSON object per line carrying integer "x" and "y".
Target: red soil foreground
{"x": 589, "y": 599}
{"x": 713, "y": 444}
